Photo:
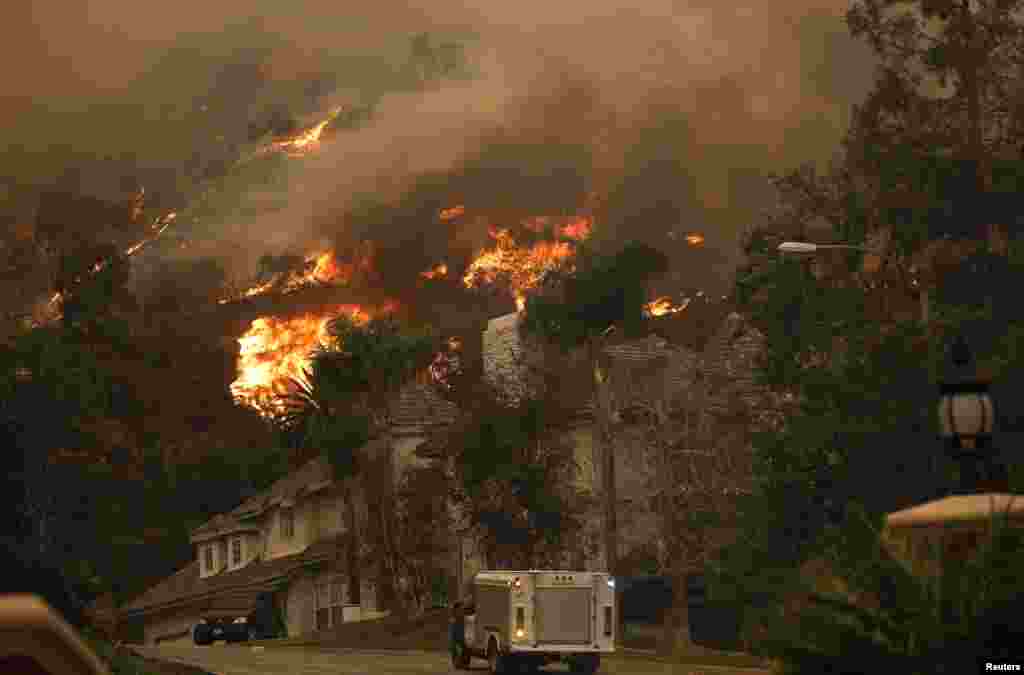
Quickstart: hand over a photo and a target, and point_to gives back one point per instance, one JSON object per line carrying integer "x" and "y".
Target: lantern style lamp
{"x": 966, "y": 418}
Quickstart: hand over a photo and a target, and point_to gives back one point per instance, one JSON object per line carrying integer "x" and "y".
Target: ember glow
{"x": 320, "y": 268}
{"x": 578, "y": 229}
{"x": 51, "y": 311}
{"x": 664, "y": 305}
{"x": 309, "y": 139}
{"x": 694, "y": 239}
{"x": 521, "y": 267}
{"x": 451, "y": 213}
{"x": 276, "y": 350}
{"x": 446, "y": 363}
{"x": 436, "y": 272}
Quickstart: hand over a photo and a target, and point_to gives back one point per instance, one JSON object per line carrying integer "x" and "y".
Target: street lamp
{"x": 807, "y": 248}
{"x": 966, "y": 419}
{"x": 965, "y": 409}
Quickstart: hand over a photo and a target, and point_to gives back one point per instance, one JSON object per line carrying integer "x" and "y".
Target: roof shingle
{"x": 235, "y": 590}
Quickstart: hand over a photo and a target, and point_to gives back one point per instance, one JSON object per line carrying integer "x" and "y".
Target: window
{"x": 287, "y": 523}
{"x": 331, "y": 596}
{"x": 236, "y": 551}
{"x": 208, "y": 557}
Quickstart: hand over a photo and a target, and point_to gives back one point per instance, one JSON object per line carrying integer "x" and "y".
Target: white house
{"x": 287, "y": 541}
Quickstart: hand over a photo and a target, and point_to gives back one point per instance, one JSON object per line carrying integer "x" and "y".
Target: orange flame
{"x": 579, "y": 229}
{"x": 322, "y": 268}
{"x": 451, "y": 213}
{"x": 523, "y": 267}
{"x": 435, "y": 272}
{"x": 664, "y": 305}
{"x": 695, "y": 239}
{"x": 275, "y": 351}
{"x": 309, "y": 139}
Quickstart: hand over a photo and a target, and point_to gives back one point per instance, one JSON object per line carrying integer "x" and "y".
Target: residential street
{"x": 222, "y": 659}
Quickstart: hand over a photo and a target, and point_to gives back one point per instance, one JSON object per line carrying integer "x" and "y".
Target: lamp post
{"x": 966, "y": 418}
{"x": 966, "y": 414}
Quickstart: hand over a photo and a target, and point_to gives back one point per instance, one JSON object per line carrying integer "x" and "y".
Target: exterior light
{"x": 807, "y": 248}
{"x": 966, "y": 421}
{"x": 797, "y": 247}
{"x": 965, "y": 408}
{"x": 611, "y": 583}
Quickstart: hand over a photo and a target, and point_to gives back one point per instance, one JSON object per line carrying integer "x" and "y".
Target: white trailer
{"x": 526, "y": 619}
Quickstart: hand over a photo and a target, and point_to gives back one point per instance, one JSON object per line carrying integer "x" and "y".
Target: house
{"x": 701, "y": 360}
{"x": 288, "y": 540}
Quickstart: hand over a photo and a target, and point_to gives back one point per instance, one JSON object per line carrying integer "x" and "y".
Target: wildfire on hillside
{"x": 664, "y": 305}
{"x": 320, "y": 268}
{"x": 451, "y": 213}
{"x": 51, "y": 311}
{"x": 308, "y": 140}
{"x": 275, "y": 351}
{"x": 436, "y": 272}
{"x": 523, "y": 267}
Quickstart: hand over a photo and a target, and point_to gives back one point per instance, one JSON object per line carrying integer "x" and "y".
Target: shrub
{"x": 892, "y": 615}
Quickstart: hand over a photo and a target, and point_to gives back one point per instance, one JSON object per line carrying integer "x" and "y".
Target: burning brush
{"x": 664, "y": 305}
{"x": 522, "y": 267}
{"x": 275, "y": 351}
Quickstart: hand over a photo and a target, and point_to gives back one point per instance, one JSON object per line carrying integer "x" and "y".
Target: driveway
{"x": 221, "y": 659}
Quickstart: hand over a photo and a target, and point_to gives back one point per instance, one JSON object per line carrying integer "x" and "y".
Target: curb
{"x": 647, "y": 655}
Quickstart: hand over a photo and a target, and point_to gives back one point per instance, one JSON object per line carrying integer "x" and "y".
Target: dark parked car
{"x": 261, "y": 623}
{"x": 210, "y": 630}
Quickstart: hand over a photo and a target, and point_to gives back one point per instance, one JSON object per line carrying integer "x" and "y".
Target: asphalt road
{"x": 221, "y": 659}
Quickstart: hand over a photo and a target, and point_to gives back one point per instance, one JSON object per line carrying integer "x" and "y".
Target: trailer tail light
{"x": 520, "y": 623}
{"x": 607, "y": 621}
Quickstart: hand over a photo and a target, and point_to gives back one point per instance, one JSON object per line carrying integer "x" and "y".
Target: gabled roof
{"x": 233, "y": 591}
{"x": 311, "y": 476}
{"x": 418, "y": 408}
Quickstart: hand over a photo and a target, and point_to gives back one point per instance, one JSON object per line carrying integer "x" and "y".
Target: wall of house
{"x": 588, "y": 476}
{"x": 278, "y": 546}
{"x": 159, "y": 627}
{"x": 404, "y": 448}
{"x": 219, "y": 556}
{"x": 254, "y": 544}
{"x": 330, "y": 515}
{"x": 299, "y": 607}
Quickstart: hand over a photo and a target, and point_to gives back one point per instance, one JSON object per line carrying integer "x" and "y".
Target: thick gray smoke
{"x": 669, "y": 109}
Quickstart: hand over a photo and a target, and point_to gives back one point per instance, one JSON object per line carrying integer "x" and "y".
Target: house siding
{"x": 254, "y": 547}
{"x": 177, "y": 627}
{"x": 299, "y": 606}
{"x": 330, "y": 515}
{"x": 404, "y": 453}
{"x": 278, "y": 545}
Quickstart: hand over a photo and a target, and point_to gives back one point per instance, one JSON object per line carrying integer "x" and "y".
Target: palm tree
{"x": 343, "y": 403}
{"x": 311, "y": 418}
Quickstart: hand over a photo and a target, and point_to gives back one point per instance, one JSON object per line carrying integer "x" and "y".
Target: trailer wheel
{"x": 495, "y": 660}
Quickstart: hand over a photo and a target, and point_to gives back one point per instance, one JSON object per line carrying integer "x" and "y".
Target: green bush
{"x": 939, "y": 614}
{"x": 119, "y": 663}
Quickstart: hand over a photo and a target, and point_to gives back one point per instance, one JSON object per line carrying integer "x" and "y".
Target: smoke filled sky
{"x": 671, "y": 108}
